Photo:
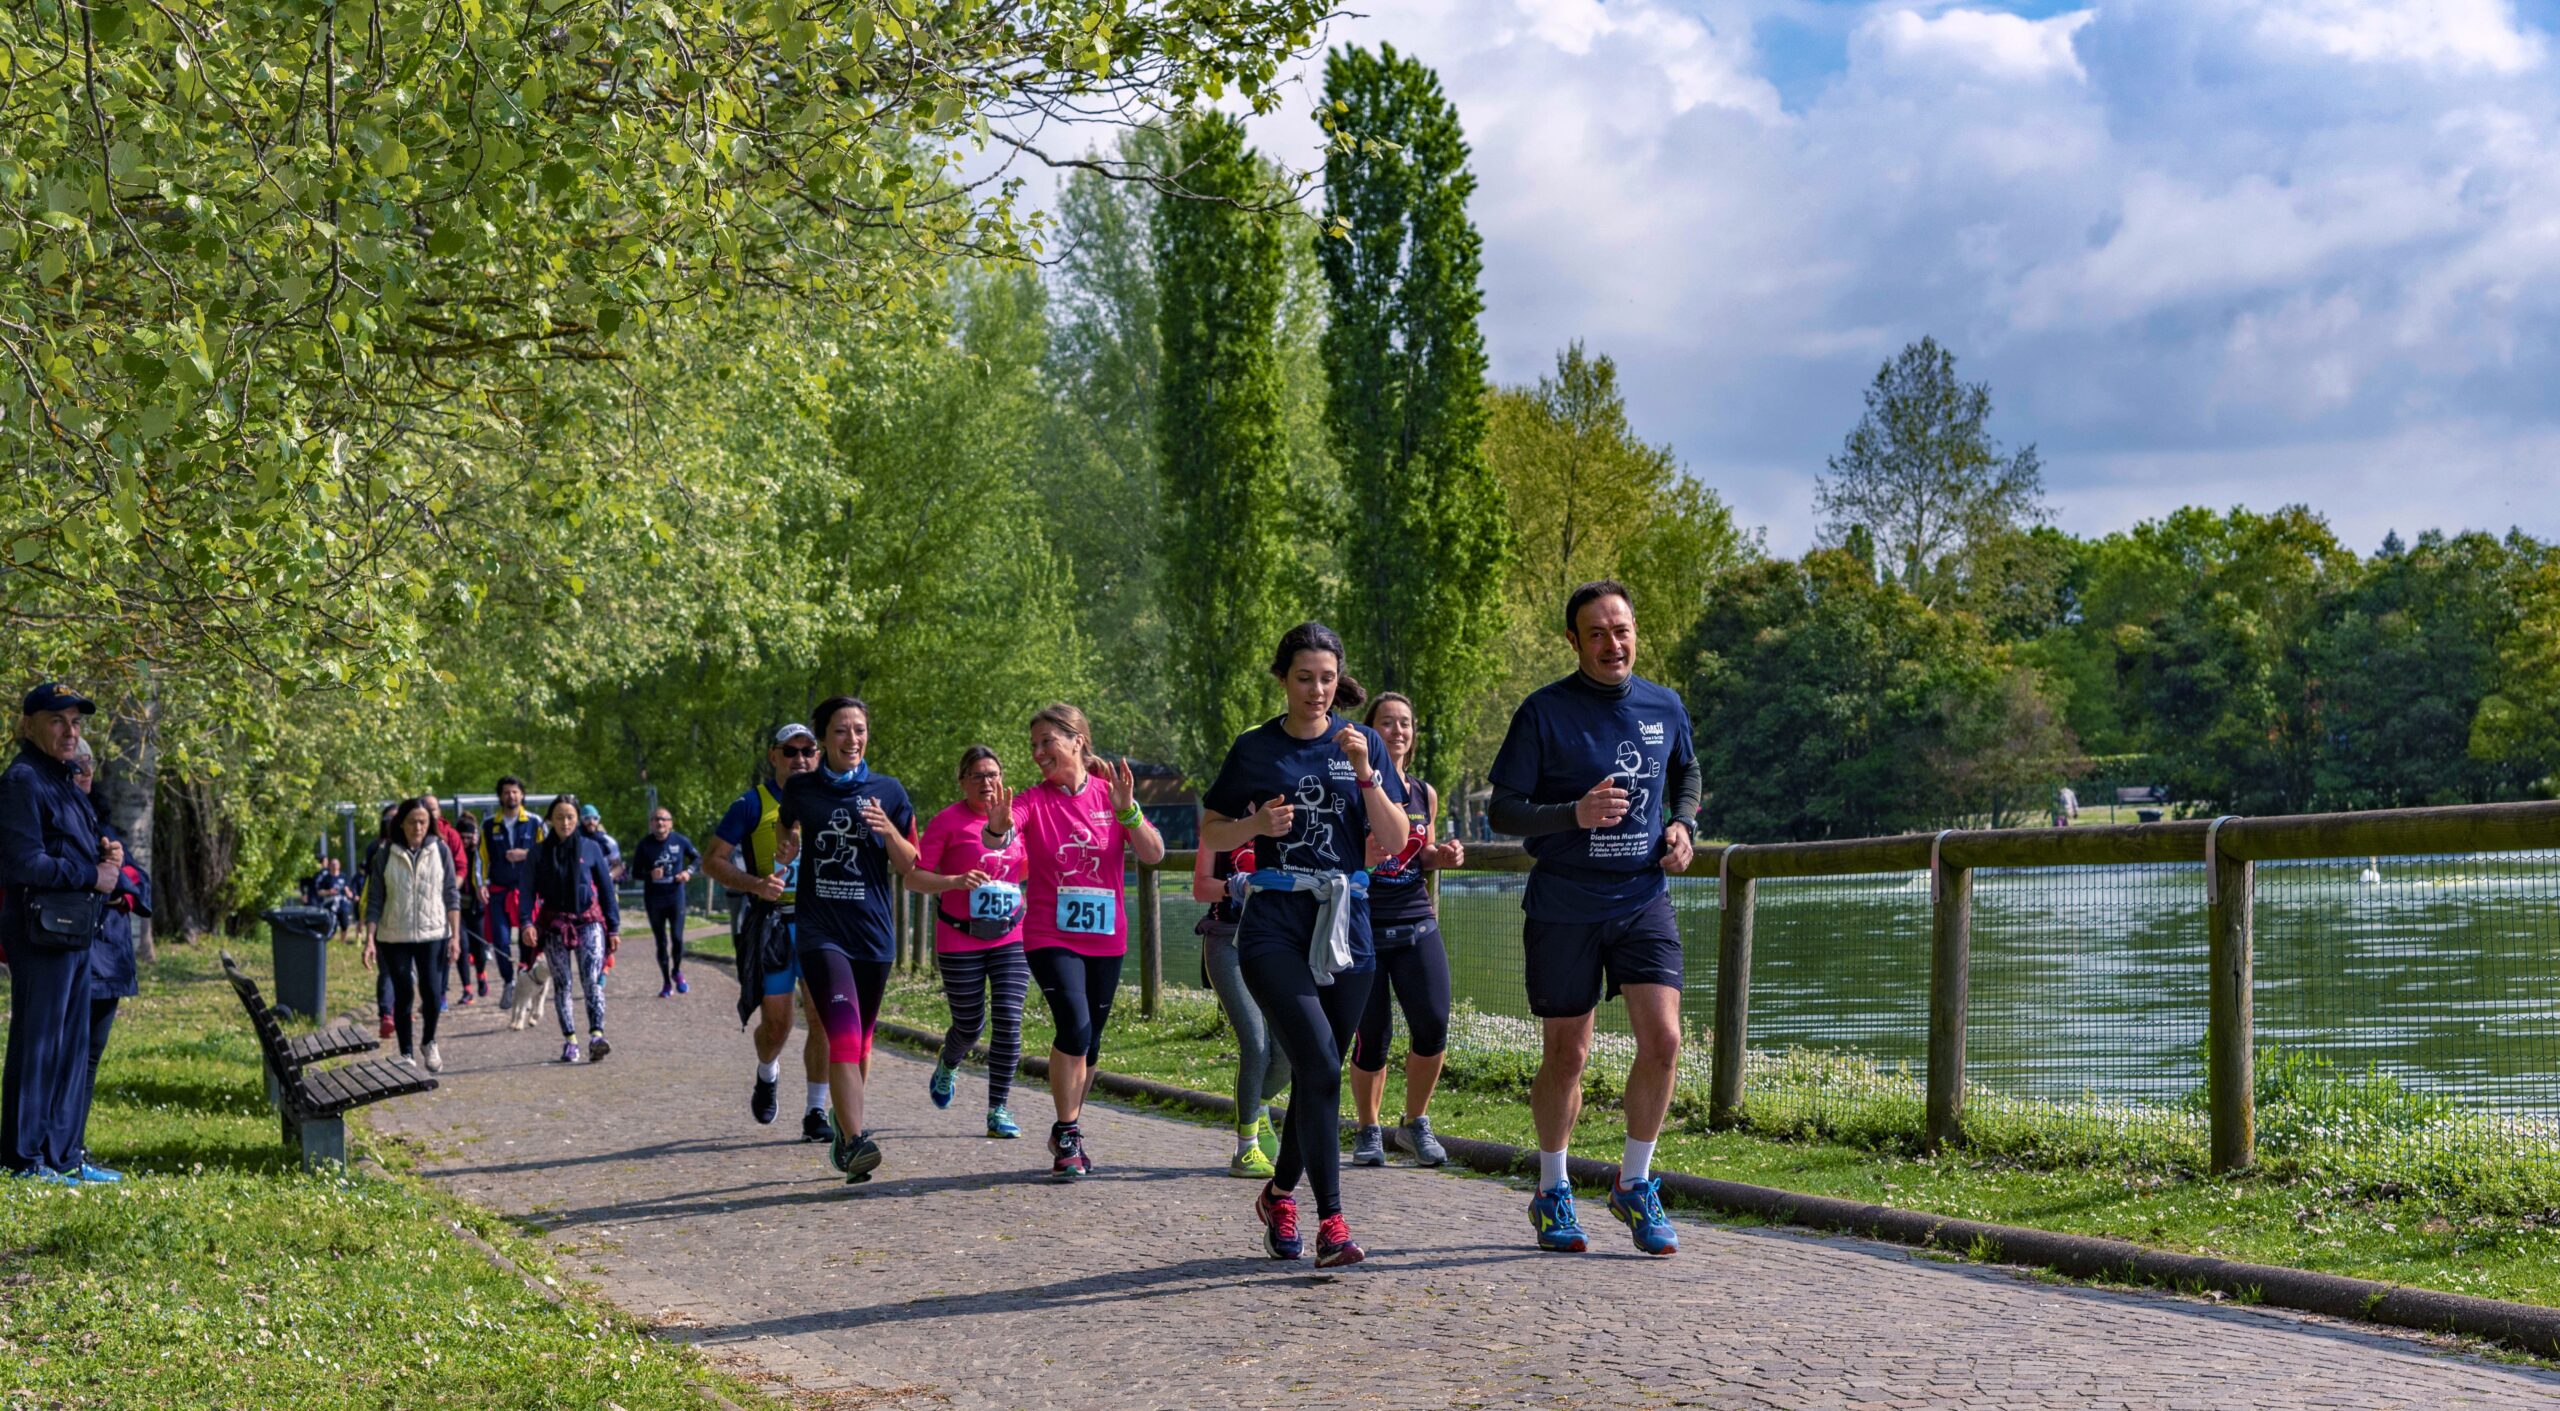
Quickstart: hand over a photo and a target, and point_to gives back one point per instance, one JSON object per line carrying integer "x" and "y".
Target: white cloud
{"x": 1981, "y": 42}
{"x": 2454, "y": 35}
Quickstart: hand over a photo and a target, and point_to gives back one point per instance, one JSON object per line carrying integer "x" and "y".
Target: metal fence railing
{"x": 2362, "y": 983}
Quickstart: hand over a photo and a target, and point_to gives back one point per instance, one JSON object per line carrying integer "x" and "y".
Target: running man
{"x": 1320, "y": 788}
{"x": 1598, "y": 776}
{"x": 506, "y": 880}
{"x": 664, "y": 861}
{"x": 1076, "y": 828}
{"x": 977, "y": 937}
{"x": 855, "y": 827}
{"x": 746, "y": 857}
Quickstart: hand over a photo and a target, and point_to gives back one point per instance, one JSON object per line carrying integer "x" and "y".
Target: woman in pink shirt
{"x": 977, "y": 935}
{"x": 1075, "y": 828}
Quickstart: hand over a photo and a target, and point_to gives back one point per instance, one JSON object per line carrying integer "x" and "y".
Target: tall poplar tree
{"x": 1229, "y": 572}
{"x": 1427, "y": 542}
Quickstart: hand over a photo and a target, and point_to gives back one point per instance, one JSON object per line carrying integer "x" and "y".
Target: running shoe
{"x": 1268, "y": 1137}
{"x": 387, "y": 1028}
{"x": 466, "y": 998}
{"x": 945, "y": 1082}
{"x": 597, "y": 1048}
{"x": 1639, "y": 1208}
{"x": 666, "y": 989}
{"x": 47, "y": 1176}
{"x": 814, "y": 1126}
{"x": 1249, "y": 1161}
{"x": 484, "y": 987}
{"x": 856, "y": 1158}
{"x": 681, "y": 987}
{"x": 91, "y": 1174}
{"x": 766, "y": 1101}
{"x": 1427, "y": 1150}
{"x": 506, "y": 993}
{"x": 1334, "y": 1246}
{"x": 406, "y": 1059}
{"x": 569, "y": 1051}
{"x": 435, "y": 1057}
{"x": 1278, "y": 1213}
{"x": 1071, "y": 1163}
{"x": 1370, "y": 1147}
{"x": 1551, "y": 1214}
{"x": 1000, "y": 1123}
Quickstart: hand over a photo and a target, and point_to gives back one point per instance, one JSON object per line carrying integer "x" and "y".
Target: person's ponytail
{"x": 1347, "y": 694}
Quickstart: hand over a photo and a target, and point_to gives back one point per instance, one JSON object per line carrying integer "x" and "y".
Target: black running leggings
{"x": 1311, "y": 1025}
{"x": 1078, "y": 989}
{"x": 1416, "y": 977}
{"x": 667, "y": 924}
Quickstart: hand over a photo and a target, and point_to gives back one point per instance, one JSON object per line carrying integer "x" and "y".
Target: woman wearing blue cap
{"x": 59, "y": 873}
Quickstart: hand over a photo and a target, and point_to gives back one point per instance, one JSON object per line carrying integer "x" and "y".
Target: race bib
{"x": 996, "y": 901}
{"x": 1088, "y": 911}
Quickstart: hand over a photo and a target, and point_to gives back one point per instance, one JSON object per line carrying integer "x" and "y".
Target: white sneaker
{"x": 435, "y": 1058}
{"x": 406, "y": 1059}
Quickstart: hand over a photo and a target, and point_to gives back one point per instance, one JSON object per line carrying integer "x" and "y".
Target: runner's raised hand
{"x": 1276, "y": 819}
{"x": 1124, "y": 783}
{"x": 1354, "y": 746}
{"x": 1604, "y": 807}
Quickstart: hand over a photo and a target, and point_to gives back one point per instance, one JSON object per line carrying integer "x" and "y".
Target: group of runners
{"x": 1314, "y": 851}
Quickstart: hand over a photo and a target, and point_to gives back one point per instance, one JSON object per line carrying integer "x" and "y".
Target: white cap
{"x": 793, "y": 731}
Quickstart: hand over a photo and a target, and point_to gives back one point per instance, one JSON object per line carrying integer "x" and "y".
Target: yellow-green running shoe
{"x": 1266, "y": 1137}
{"x": 1249, "y": 1160}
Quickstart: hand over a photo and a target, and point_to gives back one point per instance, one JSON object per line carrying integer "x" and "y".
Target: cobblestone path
{"x": 959, "y": 1277}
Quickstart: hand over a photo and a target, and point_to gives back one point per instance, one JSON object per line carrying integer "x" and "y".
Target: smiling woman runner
{"x": 1321, "y": 788}
{"x": 1075, "y": 827}
{"x": 1413, "y": 965}
{"x": 853, "y": 835}
{"x": 977, "y": 935}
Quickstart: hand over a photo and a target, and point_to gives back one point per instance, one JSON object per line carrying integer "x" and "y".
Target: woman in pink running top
{"x": 1075, "y": 827}
{"x": 977, "y": 936}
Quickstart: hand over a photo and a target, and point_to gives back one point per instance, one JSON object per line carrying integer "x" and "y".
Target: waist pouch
{"x": 1398, "y": 937}
{"x": 975, "y": 928}
{"x": 64, "y": 920}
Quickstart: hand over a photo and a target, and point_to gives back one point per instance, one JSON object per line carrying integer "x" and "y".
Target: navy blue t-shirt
{"x": 1565, "y": 738}
{"x": 1331, "y": 833}
{"x": 845, "y": 881}
{"x": 675, "y": 853}
{"x": 1399, "y": 892}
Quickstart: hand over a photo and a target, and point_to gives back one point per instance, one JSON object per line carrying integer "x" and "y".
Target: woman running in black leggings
{"x": 1322, "y": 788}
{"x": 1413, "y": 965}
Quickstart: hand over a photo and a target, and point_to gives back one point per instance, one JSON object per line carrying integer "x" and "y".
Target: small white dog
{"x": 530, "y": 999}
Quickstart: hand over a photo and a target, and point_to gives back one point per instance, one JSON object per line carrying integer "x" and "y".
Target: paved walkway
{"x": 960, "y": 1278}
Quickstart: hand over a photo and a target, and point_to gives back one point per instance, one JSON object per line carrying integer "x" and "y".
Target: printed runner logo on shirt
{"x": 1312, "y": 845}
{"x": 838, "y": 848}
{"x": 1633, "y": 837}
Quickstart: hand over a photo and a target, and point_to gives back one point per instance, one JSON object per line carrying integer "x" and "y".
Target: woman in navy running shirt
{"x": 1319, "y": 788}
{"x": 854, "y": 843}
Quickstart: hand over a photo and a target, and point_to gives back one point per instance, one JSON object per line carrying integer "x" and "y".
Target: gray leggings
{"x": 1262, "y": 1070}
{"x": 584, "y": 968}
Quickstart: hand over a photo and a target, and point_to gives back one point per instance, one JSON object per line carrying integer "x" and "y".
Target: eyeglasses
{"x": 982, "y": 776}
{"x": 801, "y": 751}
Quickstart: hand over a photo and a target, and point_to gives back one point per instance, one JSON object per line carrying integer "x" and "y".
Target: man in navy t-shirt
{"x": 1598, "y": 776}
{"x": 664, "y": 861}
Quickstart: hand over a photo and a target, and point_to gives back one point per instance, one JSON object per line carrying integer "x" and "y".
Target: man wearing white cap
{"x": 745, "y": 856}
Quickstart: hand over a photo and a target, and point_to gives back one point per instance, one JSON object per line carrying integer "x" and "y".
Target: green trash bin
{"x": 300, "y": 937}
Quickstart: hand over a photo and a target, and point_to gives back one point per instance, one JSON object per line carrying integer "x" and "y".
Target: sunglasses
{"x": 801, "y": 751}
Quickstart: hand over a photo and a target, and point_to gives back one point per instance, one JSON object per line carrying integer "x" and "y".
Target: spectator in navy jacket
{"x": 113, "y": 976}
{"x": 577, "y": 916}
{"x": 50, "y": 853}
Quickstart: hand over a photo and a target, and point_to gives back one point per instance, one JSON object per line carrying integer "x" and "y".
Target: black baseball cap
{"x": 53, "y": 695}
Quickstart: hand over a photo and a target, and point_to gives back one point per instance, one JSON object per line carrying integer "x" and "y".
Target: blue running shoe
{"x": 91, "y": 1174}
{"x": 1551, "y": 1214}
{"x": 1639, "y": 1208}
{"x": 46, "y": 1176}
{"x": 944, "y": 1082}
{"x": 1000, "y": 1123}
{"x": 1278, "y": 1212}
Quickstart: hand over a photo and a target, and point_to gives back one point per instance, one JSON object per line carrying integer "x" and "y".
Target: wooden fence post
{"x": 898, "y": 928}
{"x": 1733, "y": 996}
{"x": 2230, "y": 1023}
{"x": 1950, "y": 984}
{"x": 1150, "y": 940}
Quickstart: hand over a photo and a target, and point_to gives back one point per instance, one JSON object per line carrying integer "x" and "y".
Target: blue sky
{"x": 2290, "y": 251}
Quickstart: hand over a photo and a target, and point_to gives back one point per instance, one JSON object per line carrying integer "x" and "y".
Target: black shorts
{"x": 1568, "y": 961}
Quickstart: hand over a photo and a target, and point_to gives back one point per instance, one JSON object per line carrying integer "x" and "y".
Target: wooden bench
{"x": 2147, "y": 793}
{"x": 313, "y": 1102}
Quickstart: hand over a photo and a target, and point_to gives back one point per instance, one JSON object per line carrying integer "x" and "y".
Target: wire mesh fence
{"x": 1839, "y": 1005}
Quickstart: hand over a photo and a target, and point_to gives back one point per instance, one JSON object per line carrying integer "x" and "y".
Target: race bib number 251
{"x": 1088, "y": 911}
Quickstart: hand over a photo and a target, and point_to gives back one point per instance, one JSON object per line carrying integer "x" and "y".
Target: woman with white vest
{"x": 413, "y": 921}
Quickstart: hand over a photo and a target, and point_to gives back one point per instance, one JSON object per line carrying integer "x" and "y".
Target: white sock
{"x": 769, "y": 1072}
{"x": 817, "y": 1097}
{"x": 1550, "y": 1170}
{"x": 1246, "y": 1140}
{"x": 1636, "y": 1165}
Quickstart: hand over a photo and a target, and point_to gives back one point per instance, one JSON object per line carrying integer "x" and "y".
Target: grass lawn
{"x": 2335, "y": 1226}
{"x": 219, "y": 1274}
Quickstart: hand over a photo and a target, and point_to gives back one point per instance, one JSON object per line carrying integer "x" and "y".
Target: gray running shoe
{"x": 1427, "y": 1150}
{"x": 1370, "y": 1148}
{"x": 507, "y": 995}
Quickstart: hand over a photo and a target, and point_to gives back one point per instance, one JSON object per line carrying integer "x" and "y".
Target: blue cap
{"x": 53, "y": 695}
{"x": 588, "y": 812}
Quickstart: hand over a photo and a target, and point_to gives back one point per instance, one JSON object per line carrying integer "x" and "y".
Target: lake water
{"x": 2089, "y": 983}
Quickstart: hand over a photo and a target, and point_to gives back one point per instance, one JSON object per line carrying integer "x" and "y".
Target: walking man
{"x": 1598, "y": 776}
{"x": 506, "y": 876}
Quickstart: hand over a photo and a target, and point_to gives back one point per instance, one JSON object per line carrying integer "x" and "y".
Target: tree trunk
{"x": 128, "y": 776}
{"x": 198, "y": 860}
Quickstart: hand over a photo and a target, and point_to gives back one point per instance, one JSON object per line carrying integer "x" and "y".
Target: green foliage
{"x": 1231, "y": 576}
{"x": 1407, "y": 402}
